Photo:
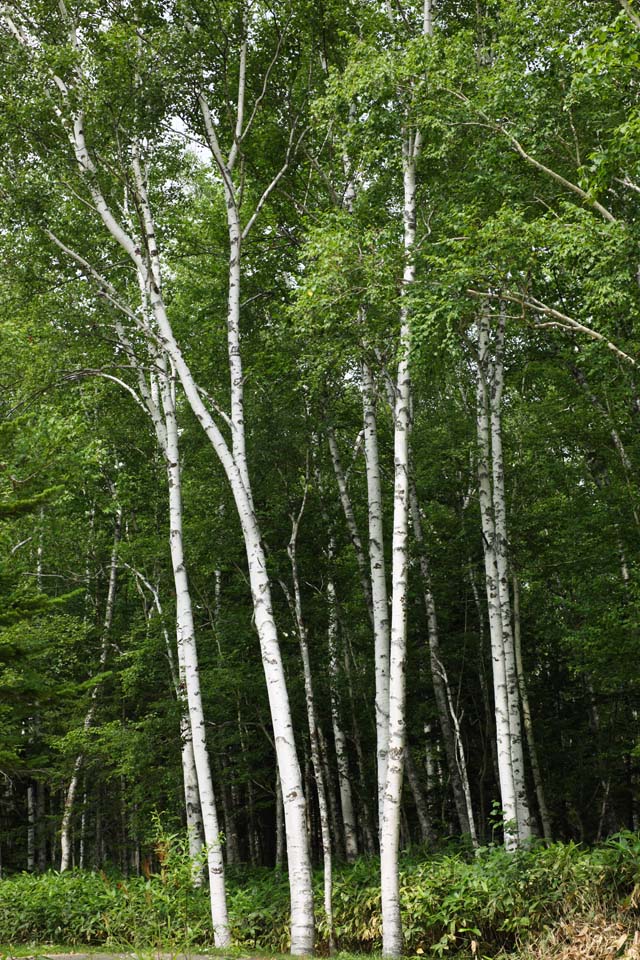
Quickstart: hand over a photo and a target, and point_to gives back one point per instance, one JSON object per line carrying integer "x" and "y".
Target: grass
{"x": 493, "y": 905}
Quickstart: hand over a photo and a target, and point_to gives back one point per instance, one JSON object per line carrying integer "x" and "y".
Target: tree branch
{"x": 517, "y": 146}
{"x": 558, "y": 319}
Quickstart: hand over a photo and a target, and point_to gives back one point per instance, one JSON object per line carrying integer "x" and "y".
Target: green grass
{"x": 453, "y": 902}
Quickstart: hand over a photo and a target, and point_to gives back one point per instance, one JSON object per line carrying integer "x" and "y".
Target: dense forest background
{"x": 334, "y": 304}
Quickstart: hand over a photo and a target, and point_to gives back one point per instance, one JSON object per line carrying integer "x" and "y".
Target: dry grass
{"x": 599, "y": 938}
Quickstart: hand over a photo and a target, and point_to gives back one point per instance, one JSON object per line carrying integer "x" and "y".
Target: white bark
{"x": 344, "y": 779}
{"x": 312, "y": 721}
{"x": 380, "y": 603}
{"x": 501, "y": 547}
{"x": 144, "y": 254}
{"x": 392, "y": 941}
{"x": 31, "y": 826}
{"x": 41, "y": 827}
{"x": 67, "y": 813}
{"x": 485, "y": 496}
{"x": 494, "y": 528}
{"x": 190, "y": 676}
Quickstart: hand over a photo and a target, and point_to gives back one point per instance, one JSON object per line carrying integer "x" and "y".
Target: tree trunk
{"x": 344, "y": 779}
{"x": 426, "y": 828}
{"x": 392, "y": 940}
{"x": 526, "y": 714}
{"x": 312, "y": 722}
{"x": 41, "y": 826}
{"x": 449, "y": 726}
{"x": 380, "y": 603}
{"x": 31, "y": 826}
{"x": 485, "y": 496}
{"x": 501, "y": 551}
{"x": 67, "y": 814}
{"x": 144, "y": 252}
{"x": 190, "y": 676}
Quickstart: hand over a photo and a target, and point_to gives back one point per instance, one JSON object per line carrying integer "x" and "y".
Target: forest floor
{"x": 599, "y": 938}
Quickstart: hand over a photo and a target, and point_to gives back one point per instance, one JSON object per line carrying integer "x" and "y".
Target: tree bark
{"x": 31, "y": 826}
{"x": 501, "y": 546}
{"x": 392, "y": 939}
{"x": 67, "y": 813}
{"x": 190, "y": 675}
{"x": 312, "y": 721}
{"x": 379, "y": 598}
{"x": 485, "y": 496}
{"x": 426, "y": 828}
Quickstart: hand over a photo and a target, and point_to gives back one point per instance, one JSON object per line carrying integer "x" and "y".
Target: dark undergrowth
{"x": 455, "y": 903}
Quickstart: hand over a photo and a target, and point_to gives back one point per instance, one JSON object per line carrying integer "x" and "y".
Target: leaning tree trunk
{"x": 449, "y": 723}
{"x": 190, "y": 676}
{"x": 67, "y": 813}
{"x": 143, "y": 251}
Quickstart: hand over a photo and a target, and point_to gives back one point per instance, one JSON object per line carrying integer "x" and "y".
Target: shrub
{"x": 449, "y": 900}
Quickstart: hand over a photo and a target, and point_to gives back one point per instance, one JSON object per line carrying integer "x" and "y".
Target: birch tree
{"x": 517, "y": 825}
{"x": 141, "y": 246}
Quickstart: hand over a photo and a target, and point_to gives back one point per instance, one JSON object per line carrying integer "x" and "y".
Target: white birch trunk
{"x": 41, "y": 827}
{"x": 380, "y": 602}
{"x": 523, "y": 815}
{"x": 500, "y": 691}
{"x": 312, "y": 722}
{"x": 236, "y": 468}
{"x": 31, "y": 827}
{"x": 67, "y": 812}
{"x": 190, "y": 677}
{"x": 392, "y": 940}
{"x": 144, "y": 254}
{"x": 83, "y": 831}
{"x": 302, "y": 926}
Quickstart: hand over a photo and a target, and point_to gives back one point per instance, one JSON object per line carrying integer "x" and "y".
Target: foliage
{"x": 449, "y": 900}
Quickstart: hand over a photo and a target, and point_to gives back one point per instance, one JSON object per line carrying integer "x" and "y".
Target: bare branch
{"x": 630, "y": 12}
{"x": 237, "y": 137}
{"x": 90, "y": 372}
{"x": 517, "y": 146}
{"x": 559, "y": 320}
{"x": 291, "y": 149}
